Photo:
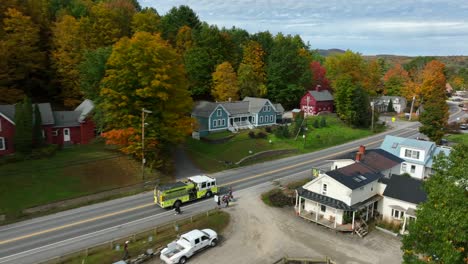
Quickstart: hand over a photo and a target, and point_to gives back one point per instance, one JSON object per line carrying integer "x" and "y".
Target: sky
{"x": 399, "y": 27}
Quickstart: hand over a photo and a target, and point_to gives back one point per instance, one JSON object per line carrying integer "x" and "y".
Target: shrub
{"x": 286, "y": 133}
{"x": 279, "y": 132}
{"x": 323, "y": 122}
{"x": 44, "y": 152}
{"x": 277, "y": 198}
{"x": 316, "y": 123}
{"x": 268, "y": 129}
{"x": 261, "y": 135}
{"x": 251, "y": 134}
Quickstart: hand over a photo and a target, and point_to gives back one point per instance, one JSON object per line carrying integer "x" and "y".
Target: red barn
{"x": 58, "y": 127}
{"x": 316, "y": 101}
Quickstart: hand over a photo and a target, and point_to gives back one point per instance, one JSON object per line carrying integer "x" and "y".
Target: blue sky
{"x": 402, "y": 27}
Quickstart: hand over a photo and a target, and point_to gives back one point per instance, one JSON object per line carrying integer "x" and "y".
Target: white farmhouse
{"x": 398, "y": 102}
{"x": 418, "y": 154}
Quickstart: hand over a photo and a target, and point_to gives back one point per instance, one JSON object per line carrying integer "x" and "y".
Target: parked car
{"x": 461, "y": 105}
{"x": 464, "y": 126}
{"x": 187, "y": 245}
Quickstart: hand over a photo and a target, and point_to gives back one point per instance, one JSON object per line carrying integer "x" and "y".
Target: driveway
{"x": 261, "y": 234}
{"x": 184, "y": 166}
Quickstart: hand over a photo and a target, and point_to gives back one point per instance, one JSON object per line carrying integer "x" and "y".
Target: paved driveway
{"x": 260, "y": 234}
{"x": 184, "y": 167}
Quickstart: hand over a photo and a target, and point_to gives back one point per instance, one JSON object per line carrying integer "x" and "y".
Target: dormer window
{"x": 218, "y": 112}
{"x": 411, "y": 154}
{"x": 324, "y": 189}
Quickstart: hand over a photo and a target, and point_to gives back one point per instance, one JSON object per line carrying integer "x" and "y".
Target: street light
{"x": 144, "y": 112}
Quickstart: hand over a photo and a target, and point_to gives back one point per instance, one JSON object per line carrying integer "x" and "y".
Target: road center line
{"x": 151, "y": 204}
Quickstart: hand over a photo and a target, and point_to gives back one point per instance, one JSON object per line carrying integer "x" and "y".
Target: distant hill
{"x": 452, "y": 62}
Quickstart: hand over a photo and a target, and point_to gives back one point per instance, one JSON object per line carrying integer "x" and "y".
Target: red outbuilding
{"x": 58, "y": 127}
{"x": 316, "y": 101}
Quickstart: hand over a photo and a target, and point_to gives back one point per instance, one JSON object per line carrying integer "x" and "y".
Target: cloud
{"x": 368, "y": 26}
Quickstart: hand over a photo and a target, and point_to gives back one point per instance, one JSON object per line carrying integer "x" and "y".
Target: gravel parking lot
{"x": 261, "y": 234}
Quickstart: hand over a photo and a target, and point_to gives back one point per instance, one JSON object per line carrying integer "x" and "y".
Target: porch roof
{"x": 368, "y": 201}
{"x": 328, "y": 201}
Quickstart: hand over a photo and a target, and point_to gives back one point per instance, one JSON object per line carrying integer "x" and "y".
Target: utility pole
{"x": 411, "y": 111}
{"x": 143, "y": 161}
{"x": 372, "y": 121}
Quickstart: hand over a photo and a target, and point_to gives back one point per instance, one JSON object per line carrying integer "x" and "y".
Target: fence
{"x": 152, "y": 238}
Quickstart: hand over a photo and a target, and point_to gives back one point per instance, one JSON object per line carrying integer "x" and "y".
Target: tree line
{"x": 125, "y": 58}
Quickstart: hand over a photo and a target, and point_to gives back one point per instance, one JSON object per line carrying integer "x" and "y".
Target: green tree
{"x": 38, "y": 140}
{"x": 390, "y": 108}
{"x": 347, "y": 65}
{"x": 435, "y": 116}
{"x": 395, "y": 80}
{"x": 146, "y": 72}
{"x": 176, "y": 18}
{"x": 440, "y": 232}
{"x": 316, "y": 123}
{"x": 352, "y": 103}
{"x": 287, "y": 71}
{"x": 225, "y": 86}
{"x": 249, "y": 84}
{"x": 199, "y": 67}
{"x": 147, "y": 20}
{"x": 23, "y": 139}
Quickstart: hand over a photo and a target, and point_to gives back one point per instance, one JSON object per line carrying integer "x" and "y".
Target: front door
{"x": 66, "y": 134}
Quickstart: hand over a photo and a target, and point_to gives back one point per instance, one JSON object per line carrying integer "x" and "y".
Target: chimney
{"x": 229, "y": 99}
{"x": 358, "y": 156}
{"x": 317, "y": 88}
{"x": 362, "y": 149}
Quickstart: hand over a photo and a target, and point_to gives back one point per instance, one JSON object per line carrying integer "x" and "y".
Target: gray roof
{"x": 328, "y": 201}
{"x": 203, "y": 108}
{"x": 85, "y": 108}
{"x": 279, "y": 108}
{"x": 256, "y": 104}
{"x": 322, "y": 95}
{"x": 67, "y": 118}
{"x": 45, "y": 109}
{"x": 355, "y": 175}
{"x": 236, "y": 107}
{"x": 405, "y": 188}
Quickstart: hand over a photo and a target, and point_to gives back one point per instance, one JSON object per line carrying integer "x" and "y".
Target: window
{"x": 413, "y": 169}
{"x": 2, "y": 143}
{"x": 203, "y": 185}
{"x": 403, "y": 167}
{"x": 218, "y": 112}
{"x": 271, "y": 118}
{"x": 411, "y": 154}
{"x": 261, "y": 119}
{"x": 197, "y": 241}
{"x": 396, "y": 214}
{"x": 324, "y": 189}
{"x": 323, "y": 208}
{"x": 203, "y": 238}
{"x": 55, "y": 132}
{"x": 223, "y": 122}
{"x": 215, "y": 123}
{"x": 395, "y": 145}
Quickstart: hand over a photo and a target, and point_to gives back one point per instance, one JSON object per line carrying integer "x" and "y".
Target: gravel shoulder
{"x": 261, "y": 234}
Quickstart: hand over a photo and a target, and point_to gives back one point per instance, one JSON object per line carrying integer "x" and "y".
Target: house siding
{"x": 363, "y": 193}
{"x": 215, "y": 121}
{"x": 335, "y": 189}
{"x": 418, "y": 172}
{"x": 314, "y": 107}
{"x": 7, "y": 131}
{"x": 329, "y": 213}
{"x": 87, "y": 131}
{"x": 386, "y": 207}
{"x": 266, "y": 117}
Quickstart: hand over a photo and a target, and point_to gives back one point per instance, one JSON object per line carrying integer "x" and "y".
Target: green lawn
{"x": 216, "y": 157}
{"x": 458, "y": 138}
{"x": 71, "y": 172}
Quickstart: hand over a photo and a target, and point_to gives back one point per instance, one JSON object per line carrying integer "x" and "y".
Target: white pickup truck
{"x": 187, "y": 245}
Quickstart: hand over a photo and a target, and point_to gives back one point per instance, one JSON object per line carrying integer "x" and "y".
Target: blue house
{"x": 234, "y": 115}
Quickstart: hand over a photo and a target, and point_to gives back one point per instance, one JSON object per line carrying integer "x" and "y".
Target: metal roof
{"x": 405, "y": 188}
{"x": 236, "y": 107}
{"x": 67, "y": 118}
{"x": 85, "y": 108}
{"x": 203, "y": 108}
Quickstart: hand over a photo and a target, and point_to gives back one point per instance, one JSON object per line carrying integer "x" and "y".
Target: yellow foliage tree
{"x": 255, "y": 57}
{"x": 184, "y": 40}
{"x": 225, "y": 86}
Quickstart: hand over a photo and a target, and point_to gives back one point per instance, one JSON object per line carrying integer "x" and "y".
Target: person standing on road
{"x": 230, "y": 196}
{"x": 177, "y": 209}
{"x": 217, "y": 200}
{"x": 126, "y": 256}
{"x": 226, "y": 200}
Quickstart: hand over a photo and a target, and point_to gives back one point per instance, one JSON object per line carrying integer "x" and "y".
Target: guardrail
{"x": 154, "y": 237}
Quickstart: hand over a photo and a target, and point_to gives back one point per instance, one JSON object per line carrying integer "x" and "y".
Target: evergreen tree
{"x": 323, "y": 122}
{"x": 390, "y": 108}
{"x": 38, "y": 140}
{"x": 316, "y": 123}
{"x": 23, "y": 126}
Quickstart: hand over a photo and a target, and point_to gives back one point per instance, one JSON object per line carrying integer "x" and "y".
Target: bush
{"x": 268, "y": 129}
{"x": 261, "y": 135}
{"x": 323, "y": 122}
{"x": 251, "y": 134}
{"x": 316, "y": 123}
{"x": 277, "y": 198}
{"x": 44, "y": 152}
{"x": 393, "y": 226}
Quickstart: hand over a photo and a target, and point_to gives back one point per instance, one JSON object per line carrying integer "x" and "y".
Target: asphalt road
{"x": 46, "y": 237}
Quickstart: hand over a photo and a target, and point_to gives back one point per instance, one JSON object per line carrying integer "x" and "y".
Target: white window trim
{"x": 215, "y": 123}
{"x": 324, "y": 188}
{"x": 404, "y": 167}
{"x": 261, "y": 119}
{"x": 2, "y": 146}
{"x": 411, "y": 169}
{"x": 218, "y": 112}
{"x": 55, "y": 132}
{"x": 400, "y": 214}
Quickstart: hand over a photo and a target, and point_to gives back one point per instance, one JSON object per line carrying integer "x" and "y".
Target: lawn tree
{"x": 23, "y": 139}
{"x": 439, "y": 234}
{"x": 38, "y": 139}
{"x": 394, "y": 80}
{"x": 146, "y": 72}
{"x": 435, "y": 115}
{"x": 225, "y": 86}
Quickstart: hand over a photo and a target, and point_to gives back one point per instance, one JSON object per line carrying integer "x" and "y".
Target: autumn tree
{"x": 372, "y": 80}
{"x": 146, "y": 72}
{"x": 147, "y": 20}
{"x": 184, "y": 39}
{"x": 347, "y": 65}
{"x": 435, "y": 115}
{"x": 21, "y": 59}
{"x": 318, "y": 76}
{"x": 249, "y": 84}
{"x": 225, "y": 86}
{"x": 287, "y": 71}
{"x": 440, "y": 232}
{"x": 395, "y": 80}
{"x": 254, "y": 56}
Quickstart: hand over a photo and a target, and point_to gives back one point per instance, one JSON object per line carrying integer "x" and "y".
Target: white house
{"x": 401, "y": 196}
{"x": 398, "y": 102}
{"x": 346, "y": 197}
{"x": 418, "y": 155}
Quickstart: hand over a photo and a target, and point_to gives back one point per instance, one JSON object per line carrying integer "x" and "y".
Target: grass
{"x": 217, "y": 221}
{"x": 70, "y": 173}
{"x": 458, "y": 138}
{"x": 217, "y": 157}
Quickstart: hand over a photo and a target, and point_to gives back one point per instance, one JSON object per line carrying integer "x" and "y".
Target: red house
{"x": 316, "y": 101}
{"x": 58, "y": 127}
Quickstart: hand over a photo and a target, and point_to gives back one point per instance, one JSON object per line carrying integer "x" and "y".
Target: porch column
{"x": 367, "y": 213}
{"x": 372, "y": 209}
{"x": 335, "y": 218}
{"x": 404, "y": 225}
{"x": 352, "y": 223}
{"x": 297, "y": 198}
{"x": 316, "y": 212}
{"x": 300, "y": 200}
